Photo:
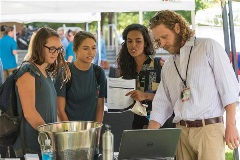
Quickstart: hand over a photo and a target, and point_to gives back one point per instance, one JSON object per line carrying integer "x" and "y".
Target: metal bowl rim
{"x": 100, "y": 125}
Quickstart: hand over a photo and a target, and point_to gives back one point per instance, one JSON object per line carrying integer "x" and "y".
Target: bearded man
{"x": 197, "y": 83}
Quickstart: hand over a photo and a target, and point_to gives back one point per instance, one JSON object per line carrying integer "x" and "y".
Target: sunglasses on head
{"x": 154, "y": 19}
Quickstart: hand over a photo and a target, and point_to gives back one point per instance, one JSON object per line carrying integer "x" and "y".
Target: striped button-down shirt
{"x": 210, "y": 77}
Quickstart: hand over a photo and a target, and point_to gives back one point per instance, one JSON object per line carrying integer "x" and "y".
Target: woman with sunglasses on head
{"x": 35, "y": 90}
{"x": 82, "y": 99}
{"x": 136, "y": 61}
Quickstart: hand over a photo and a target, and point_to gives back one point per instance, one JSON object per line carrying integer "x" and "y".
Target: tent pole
{"x": 87, "y": 27}
{"x": 140, "y": 17}
{"x": 116, "y": 33}
{"x": 226, "y": 34}
{"x": 193, "y": 20}
{"x": 232, "y": 37}
{"x": 99, "y": 43}
{"x": 225, "y": 27}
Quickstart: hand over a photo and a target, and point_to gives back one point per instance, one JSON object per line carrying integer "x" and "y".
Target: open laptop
{"x": 149, "y": 144}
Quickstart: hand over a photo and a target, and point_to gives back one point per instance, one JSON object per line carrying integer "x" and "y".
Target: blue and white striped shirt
{"x": 210, "y": 77}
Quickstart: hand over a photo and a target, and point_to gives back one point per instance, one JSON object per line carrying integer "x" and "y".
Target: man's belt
{"x": 200, "y": 123}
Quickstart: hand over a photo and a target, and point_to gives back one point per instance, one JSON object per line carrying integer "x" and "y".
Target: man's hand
{"x": 232, "y": 136}
{"x": 231, "y": 133}
{"x": 137, "y": 95}
{"x": 154, "y": 125}
{"x": 140, "y": 96}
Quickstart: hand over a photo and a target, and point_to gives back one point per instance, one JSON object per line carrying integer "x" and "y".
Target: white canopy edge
{"x": 52, "y": 17}
{"x": 76, "y": 6}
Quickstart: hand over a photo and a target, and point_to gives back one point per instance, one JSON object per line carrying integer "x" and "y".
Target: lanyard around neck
{"x": 184, "y": 81}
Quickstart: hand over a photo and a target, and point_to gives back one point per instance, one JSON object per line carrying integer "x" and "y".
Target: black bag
{"x": 9, "y": 119}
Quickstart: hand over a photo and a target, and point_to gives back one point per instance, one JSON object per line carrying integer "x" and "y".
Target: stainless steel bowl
{"x": 72, "y": 140}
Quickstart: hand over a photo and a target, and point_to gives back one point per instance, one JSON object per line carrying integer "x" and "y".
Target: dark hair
{"x": 71, "y": 31}
{"x": 80, "y": 37}
{"x": 8, "y": 29}
{"x": 38, "y": 54}
{"x": 3, "y": 27}
{"x": 170, "y": 19}
{"x": 125, "y": 61}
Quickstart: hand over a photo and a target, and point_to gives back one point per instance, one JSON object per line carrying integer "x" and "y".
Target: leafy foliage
{"x": 124, "y": 19}
{"x": 229, "y": 156}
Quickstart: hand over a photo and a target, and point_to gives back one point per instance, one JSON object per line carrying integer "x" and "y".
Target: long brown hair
{"x": 37, "y": 54}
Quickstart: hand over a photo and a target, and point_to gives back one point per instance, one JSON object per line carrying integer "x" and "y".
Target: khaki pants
{"x": 202, "y": 143}
{"x": 7, "y": 73}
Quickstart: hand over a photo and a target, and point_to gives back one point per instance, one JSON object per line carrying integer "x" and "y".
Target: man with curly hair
{"x": 197, "y": 83}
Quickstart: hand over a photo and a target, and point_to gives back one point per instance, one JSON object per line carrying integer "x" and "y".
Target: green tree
{"x": 125, "y": 19}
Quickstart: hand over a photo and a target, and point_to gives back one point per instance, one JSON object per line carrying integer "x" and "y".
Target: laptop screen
{"x": 149, "y": 144}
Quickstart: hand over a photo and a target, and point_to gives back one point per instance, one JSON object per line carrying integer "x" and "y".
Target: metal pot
{"x": 72, "y": 140}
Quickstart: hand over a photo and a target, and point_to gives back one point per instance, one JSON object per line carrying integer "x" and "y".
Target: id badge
{"x": 185, "y": 94}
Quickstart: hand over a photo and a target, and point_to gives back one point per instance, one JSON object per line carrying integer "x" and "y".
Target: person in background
{"x": 3, "y": 27}
{"x": 83, "y": 100}
{"x": 70, "y": 56}
{"x": 104, "y": 63}
{"x": 36, "y": 95}
{"x": 136, "y": 61}
{"x": 198, "y": 83}
{"x": 8, "y": 50}
{"x": 64, "y": 40}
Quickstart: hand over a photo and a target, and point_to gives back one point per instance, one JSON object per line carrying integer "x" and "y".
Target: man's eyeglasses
{"x": 53, "y": 49}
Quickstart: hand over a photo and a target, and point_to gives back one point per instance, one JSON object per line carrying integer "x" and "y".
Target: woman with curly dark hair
{"x": 136, "y": 61}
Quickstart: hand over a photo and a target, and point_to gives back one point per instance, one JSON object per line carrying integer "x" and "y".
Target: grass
{"x": 228, "y": 154}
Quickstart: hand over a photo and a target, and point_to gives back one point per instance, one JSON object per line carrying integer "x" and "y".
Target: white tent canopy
{"x": 52, "y": 17}
{"x": 77, "y": 6}
{"x": 78, "y": 11}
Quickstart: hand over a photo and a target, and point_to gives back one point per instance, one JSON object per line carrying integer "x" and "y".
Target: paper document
{"x": 117, "y": 88}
